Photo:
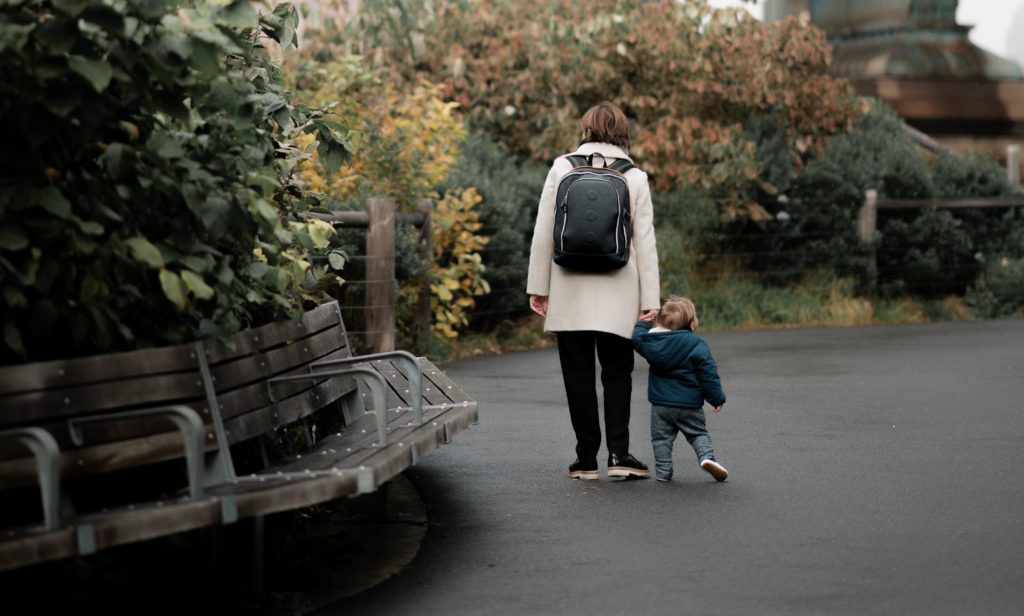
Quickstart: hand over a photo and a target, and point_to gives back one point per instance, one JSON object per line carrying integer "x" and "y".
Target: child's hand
{"x": 718, "y": 409}
{"x": 649, "y": 315}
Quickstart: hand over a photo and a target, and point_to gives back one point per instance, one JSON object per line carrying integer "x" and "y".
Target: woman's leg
{"x": 576, "y": 354}
{"x": 616, "y": 356}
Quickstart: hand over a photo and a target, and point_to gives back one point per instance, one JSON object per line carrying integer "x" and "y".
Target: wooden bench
{"x": 186, "y": 428}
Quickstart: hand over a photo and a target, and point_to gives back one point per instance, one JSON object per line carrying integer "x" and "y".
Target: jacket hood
{"x": 665, "y": 350}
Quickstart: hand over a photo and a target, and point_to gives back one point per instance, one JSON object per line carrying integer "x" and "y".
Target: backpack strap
{"x": 622, "y": 165}
{"x": 577, "y": 161}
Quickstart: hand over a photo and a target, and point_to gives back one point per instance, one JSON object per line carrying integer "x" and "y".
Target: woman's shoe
{"x": 586, "y": 469}
{"x": 625, "y": 465}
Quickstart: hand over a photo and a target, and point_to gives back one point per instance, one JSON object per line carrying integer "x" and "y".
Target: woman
{"x": 597, "y": 311}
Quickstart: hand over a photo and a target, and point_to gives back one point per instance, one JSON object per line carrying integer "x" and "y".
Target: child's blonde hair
{"x": 677, "y": 313}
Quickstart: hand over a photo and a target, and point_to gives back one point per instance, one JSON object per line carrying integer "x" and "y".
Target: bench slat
{"x": 442, "y": 383}
{"x": 47, "y": 405}
{"x": 271, "y": 335}
{"x": 243, "y": 425}
{"x": 66, "y": 373}
{"x": 280, "y": 360}
{"x": 275, "y": 494}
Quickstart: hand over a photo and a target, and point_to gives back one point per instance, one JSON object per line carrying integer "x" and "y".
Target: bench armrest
{"x": 412, "y": 372}
{"x": 47, "y": 454}
{"x": 185, "y": 419}
{"x": 378, "y": 388}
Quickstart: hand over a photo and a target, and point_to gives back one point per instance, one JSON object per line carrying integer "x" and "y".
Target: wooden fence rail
{"x": 379, "y": 220}
{"x": 868, "y": 217}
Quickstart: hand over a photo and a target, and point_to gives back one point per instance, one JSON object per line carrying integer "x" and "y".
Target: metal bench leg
{"x": 258, "y": 549}
{"x": 47, "y": 454}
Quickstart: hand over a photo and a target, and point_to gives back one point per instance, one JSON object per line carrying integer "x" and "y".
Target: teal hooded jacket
{"x": 683, "y": 373}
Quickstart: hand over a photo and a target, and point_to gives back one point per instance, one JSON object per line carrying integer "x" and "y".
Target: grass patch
{"x": 734, "y": 300}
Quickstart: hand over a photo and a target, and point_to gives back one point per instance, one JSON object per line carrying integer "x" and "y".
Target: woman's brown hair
{"x": 605, "y": 123}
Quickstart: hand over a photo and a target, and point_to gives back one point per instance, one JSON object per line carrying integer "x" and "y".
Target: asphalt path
{"x": 874, "y": 470}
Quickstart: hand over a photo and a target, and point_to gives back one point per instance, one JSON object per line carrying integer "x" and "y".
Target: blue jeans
{"x": 666, "y": 423}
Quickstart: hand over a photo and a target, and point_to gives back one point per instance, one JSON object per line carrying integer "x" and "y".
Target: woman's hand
{"x": 649, "y": 315}
{"x": 539, "y": 304}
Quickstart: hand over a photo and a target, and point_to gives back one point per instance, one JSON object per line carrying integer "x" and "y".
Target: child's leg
{"x": 692, "y": 424}
{"x": 663, "y": 435}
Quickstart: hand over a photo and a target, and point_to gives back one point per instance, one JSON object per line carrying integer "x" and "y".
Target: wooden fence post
{"x": 380, "y": 275}
{"x": 1013, "y": 164}
{"x": 423, "y": 314}
{"x": 867, "y": 224}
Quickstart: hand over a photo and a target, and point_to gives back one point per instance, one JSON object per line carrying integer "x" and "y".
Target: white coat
{"x": 605, "y": 302}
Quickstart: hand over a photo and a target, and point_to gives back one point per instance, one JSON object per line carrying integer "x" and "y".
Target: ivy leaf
{"x": 111, "y": 159}
{"x": 105, "y": 17}
{"x": 336, "y": 259}
{"x": 96, "y": 72}
{"x": 145, "y": 252}
{"x": 205, "y": 58}
{"x": 12, "y": 237}
{"x": 281, "y": 24}
{"x": 320, "y": 232}
{"x": 12, "y": 338}
{"x": 173, "y": 288}
{"x": 71, "y": 7}
{"x": 238, "y": 14}
{"x": 197, "y": 264}
{"x": 13, "y": 37}
{"x": 53, "y": 201}
{"x": 150, "y": 9}
{"x": 165, "y": 146}
{"x": 89, "y": 227}
{"x": 196, "y": 285}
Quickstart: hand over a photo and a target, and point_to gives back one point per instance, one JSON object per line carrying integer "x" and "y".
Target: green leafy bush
{"x": 510, "y": 187}
{"x": 918, "y": 251}
{"x": 999, "y": 292}
{"x": 151, "y": 195}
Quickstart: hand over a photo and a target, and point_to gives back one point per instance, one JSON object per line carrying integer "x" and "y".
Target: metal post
{"x": 258, "y": 550}
{"x": 1013, "y": 164}
{"x": 867, "y": 224}
{"x": 380, "y": 275}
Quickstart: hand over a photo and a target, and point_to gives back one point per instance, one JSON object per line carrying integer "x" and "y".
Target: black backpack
{"x": 592, "y": 222}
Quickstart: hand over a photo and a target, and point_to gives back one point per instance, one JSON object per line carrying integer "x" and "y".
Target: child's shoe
{"x": 714, "y": 469}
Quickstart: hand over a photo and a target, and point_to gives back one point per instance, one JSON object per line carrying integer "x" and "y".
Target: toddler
{"x": 683, "y": 375}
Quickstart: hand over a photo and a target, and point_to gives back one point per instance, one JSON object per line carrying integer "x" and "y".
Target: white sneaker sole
{"x": 625, "y": 471}
{"x": 715, "y": 469}
{"x": 584, "y": 475}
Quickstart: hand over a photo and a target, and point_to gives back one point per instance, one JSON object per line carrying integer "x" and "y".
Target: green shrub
{"x": 510, "y": 187}
{"x": 918, "y": 251}
{"x": 686, "y": 228}
{"x": 999, "y": 292}
{"x": 151, "y": 197}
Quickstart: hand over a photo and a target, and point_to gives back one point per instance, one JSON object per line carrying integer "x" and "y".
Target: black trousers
{"x": 576, "y": 354}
